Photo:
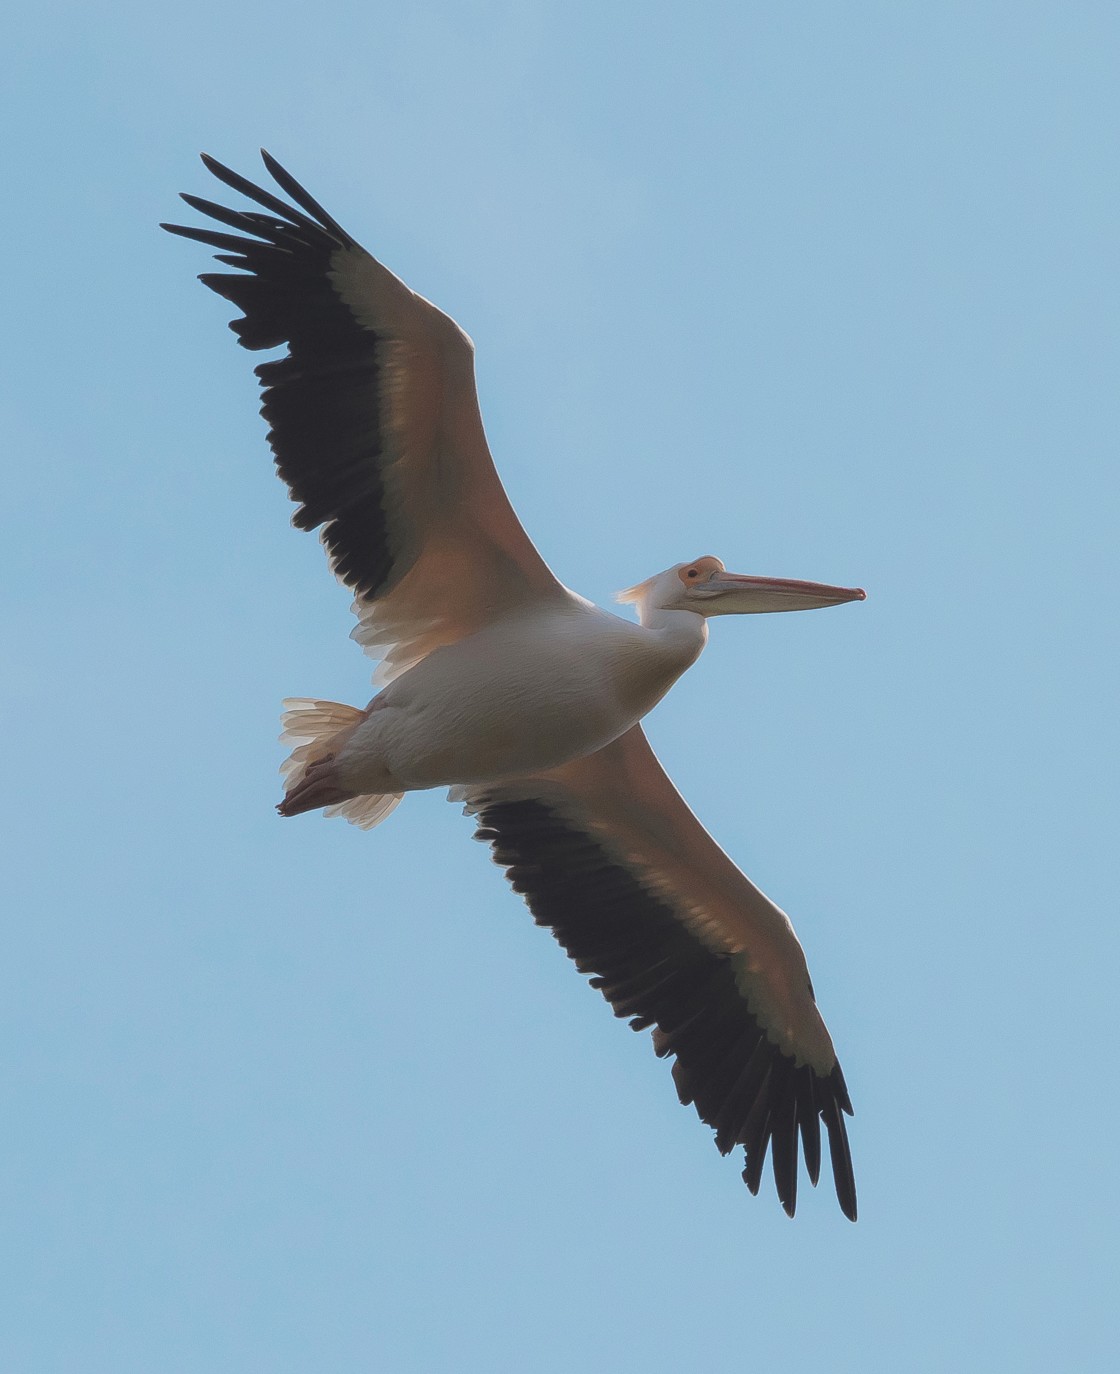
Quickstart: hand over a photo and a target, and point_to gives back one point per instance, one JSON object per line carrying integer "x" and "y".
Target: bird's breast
{"x": 525, "y": 694}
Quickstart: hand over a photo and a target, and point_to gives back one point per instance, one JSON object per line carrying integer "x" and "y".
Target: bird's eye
{"x": 694, "y": 572}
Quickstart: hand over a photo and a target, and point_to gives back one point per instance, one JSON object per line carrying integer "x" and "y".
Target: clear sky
{"x": 827, "y": 290}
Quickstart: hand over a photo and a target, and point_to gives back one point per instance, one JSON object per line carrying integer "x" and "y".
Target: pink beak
{"x": 735, "y": 594}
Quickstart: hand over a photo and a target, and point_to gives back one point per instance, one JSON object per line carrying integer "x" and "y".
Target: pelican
{"x": 521, "y": 697}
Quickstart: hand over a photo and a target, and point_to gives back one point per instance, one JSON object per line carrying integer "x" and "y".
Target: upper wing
{"x": 606, "y": 852}
{"x": 375, "y": 424}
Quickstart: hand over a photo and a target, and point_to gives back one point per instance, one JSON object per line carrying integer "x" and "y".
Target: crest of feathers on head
{"x": 632, "y": 595}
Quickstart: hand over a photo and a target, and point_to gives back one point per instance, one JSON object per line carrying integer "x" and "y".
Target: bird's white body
{"x": 529, "y": 692}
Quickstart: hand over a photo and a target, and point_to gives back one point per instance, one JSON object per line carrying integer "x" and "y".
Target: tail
{"x": 319, "y": 729}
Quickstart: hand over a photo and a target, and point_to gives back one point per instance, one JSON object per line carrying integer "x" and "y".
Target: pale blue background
{"x": 827, "y": 290}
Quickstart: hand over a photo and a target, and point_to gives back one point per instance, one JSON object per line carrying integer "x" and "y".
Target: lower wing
{"x": 607, "y": 854}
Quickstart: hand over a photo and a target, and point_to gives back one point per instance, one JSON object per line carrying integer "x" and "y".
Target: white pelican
{"x": 519, "y": 695}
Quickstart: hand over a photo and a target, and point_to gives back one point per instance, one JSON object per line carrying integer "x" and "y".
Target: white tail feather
{"x": 366, "y": 812}
{"x": 304, "y": 718}
{"x": 313, "y": 727}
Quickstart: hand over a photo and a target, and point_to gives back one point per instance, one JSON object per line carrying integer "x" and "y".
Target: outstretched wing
{"x": 607, "y": 853}
{"x": 374, "y": 422}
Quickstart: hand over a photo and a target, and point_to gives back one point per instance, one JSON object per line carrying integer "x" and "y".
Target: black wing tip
{"x": 218, "y": 169}
{"x": 828, "y": 1108}
{"x": 812, "y": 1162}
{"x": 846, "y": 1195}
{"x": 304, "y": 199}
{"x": 843, "y": 1176}
{"x": 846, "y": 1191}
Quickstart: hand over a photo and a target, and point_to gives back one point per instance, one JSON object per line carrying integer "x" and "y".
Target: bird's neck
{"x": 677, "y": 632}
{"x": 650, "y": 657}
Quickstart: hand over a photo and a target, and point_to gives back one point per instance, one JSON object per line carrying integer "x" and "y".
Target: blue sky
{"x": 828, "y": 291}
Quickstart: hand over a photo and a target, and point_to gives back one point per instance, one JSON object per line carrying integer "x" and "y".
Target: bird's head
{"x": 707, "y": 588}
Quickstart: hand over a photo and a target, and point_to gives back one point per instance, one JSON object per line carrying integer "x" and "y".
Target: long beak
{"x": 734, "y": 594}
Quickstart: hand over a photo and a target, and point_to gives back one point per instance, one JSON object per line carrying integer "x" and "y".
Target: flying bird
{"x": 520, "y": 696}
